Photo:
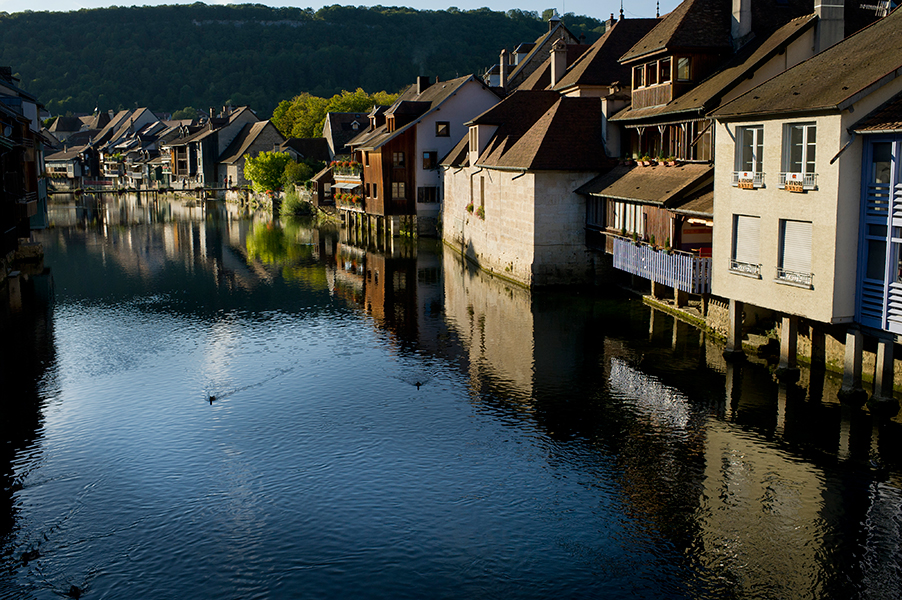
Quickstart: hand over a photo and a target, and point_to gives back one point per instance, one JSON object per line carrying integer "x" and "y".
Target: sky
{"x": 600, "y": 9}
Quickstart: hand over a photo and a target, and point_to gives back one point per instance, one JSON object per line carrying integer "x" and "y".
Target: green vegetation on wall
{"x": 172, "y": 57}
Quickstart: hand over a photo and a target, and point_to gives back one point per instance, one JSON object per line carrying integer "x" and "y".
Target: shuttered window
{"x": 795, "y": 252}
{"x": 745, "y": 239}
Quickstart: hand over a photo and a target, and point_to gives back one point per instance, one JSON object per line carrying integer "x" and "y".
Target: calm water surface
{"x": 389, "y": 423}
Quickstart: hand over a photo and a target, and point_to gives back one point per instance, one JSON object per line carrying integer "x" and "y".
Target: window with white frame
{"x": 799, "y": 153}
{"x": 744, "y": 259}
{"x": 625, "y": 217}
{"x": 795, "y": 253}
{"x": 748, "y": 172}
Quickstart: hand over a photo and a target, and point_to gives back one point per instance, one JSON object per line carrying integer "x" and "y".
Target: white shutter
{"x": 745, "y": 239}
{"x": 797, "y": 246}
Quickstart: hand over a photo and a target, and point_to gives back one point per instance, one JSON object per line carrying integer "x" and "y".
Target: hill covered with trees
{"x": 171, "y": 57}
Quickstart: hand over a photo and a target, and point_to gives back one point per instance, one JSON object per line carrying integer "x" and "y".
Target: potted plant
{"x": 645, "y": 160}
{"x": 480, "y": 212}
{"x": 470, "y": 208}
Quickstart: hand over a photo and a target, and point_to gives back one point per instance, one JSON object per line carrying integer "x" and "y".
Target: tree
{"x": 305, "y": 115}
{"x": 297, "y": 172}
{"x": 265, "y": 170}
{"x": 185, "y": 113}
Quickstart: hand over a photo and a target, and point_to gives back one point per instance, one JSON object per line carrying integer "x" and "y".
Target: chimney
{"x": 553, "y": 20}
{"x": 830, "y": 23}
{"x": 558, "y": 61}
{"x": 502, "y": 73}
{"x": 741, "y": 25}
{"x": 422, "y": 84}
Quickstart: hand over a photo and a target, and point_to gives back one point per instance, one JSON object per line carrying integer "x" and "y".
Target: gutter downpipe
{"x": 852, "y": 135}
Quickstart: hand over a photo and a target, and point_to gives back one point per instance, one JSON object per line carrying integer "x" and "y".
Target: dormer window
{"x": 665, "y": 70}
{"x": 639, "y": 76}
{"x": 355, "y": 125}
{"x": 651, "y": 74}
{"x": 683, "y": 71}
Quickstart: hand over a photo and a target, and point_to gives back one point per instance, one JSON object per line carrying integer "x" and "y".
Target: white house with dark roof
{"x": 812, "y": 238}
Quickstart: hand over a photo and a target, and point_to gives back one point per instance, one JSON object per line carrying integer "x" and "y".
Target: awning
{"x": 345, "y": 186}
{"x": 657, "y": 185}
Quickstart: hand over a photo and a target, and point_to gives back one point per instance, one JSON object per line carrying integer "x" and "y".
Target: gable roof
{"x": 62, "y": 124}
{"x": 540, "y": 79}
{"x": 314, "y": 148}
{"x": 542, "y": 130}
{"x": 426, "y": 102}
{"x": 707, "y": 95}
{"x": 599, "y": 65}
{"x": 704, "y": 25}
{"x": 341, "y": 127}
{"x": 832, "y": 80}
{"x": 558, "y": 30}
{"x": 244, "y": 140}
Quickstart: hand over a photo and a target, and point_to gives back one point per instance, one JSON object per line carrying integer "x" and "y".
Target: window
{"x": 799, "y": 145}
{"x": 427, "y": 194}
{"x": 683, "y": 71}
{"x": 398, "y": 191}
{"x": 442, "y": 129}
{"x": 430, "y": 160}
{"x": 749, "y": 153}
{"x": 397, "y": 159}
{"x": 368, "y": 191}
{"x": 375, "y": 190}
{"x": 473, "y": 140}
{"x": 665, "y": 70}
{"x": 639, "y": 76}
{"x": 366, "y": 159}
{"x": 651, "y": 73}
{"x": 745, "y": 246}
{"x": 795, "y": 253}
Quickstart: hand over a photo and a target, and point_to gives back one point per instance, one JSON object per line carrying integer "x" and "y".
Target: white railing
{"x": 796, "y": 181}
{"x": 794, "y": 277}
{"x": 744, "y": 268}
{"x": 679, "y": 270}
{"x": 748, "y": 179}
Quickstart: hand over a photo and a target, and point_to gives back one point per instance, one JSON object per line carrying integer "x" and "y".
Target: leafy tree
{"x": 297, "y": 172}
{"x": 265, "y": 170}
{"x": 185, "y": 113}
{"x": 305, "y": 115}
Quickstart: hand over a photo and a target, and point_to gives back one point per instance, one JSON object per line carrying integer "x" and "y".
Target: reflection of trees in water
{"x": 293, "y": 245}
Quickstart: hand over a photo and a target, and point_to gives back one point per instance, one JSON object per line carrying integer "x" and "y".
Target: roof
{"x": 659, "y": 185}
{"x": 432, "y": 97}
{"x": 885, "y": 119}
{"x": 704, "y": 25}
{"x": 459, "y": 155}
{"x": 205, "y": 131}
{"x": 558, "y": 30}
{"x": 540, "y": 79}
{"x": 341, "y": 126}
{"x": 243, "y": 141}
{"x": 96, "y": 121}
{"x": 65, "y": 155}
{"x": 599, "y": 65}
{"x": 65, "y": 124}
{"x": 707, "y": 95}
{"x": 315, "y": 148}
{"x": 832, "y": 80}
{"x": 544, "y": 131}
{"x": 698, "y": 204}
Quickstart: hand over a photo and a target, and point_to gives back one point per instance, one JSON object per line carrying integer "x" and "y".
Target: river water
{"x": 390, "y": 423}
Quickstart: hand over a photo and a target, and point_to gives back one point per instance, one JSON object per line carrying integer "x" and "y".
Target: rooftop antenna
{"x": 621, "y": 10}
{"x": 658, "y": 10}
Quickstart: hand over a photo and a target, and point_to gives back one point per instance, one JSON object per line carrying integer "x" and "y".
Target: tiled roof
{"x": 886, "y": 119}
{"x": 542, "y": 130}
{"x": 698, "y": 204}
{"x": 559, "y": 30}
{"x": 707, "y": 95}
{"x": 243, "y": 141}
{"x": 659, "y": 185}
{"x": 65, "y": 154}
{"x": 704, "y": 25}
{"x": 540, "y": 79}
{"x": 459, "y": 155}
{"x": 315, "y": 148}
{"x": 65, "y": 124}
{"x": 599, "y": 65}
{"x": 831, "y": 80}
{"x": 434, "y": 95}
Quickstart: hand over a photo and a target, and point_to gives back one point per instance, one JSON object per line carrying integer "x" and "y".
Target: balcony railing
{"x": 748, "y": 179}
{"x": 744, "y": 268}
{"x": 795, "y": 277}
{"x": 679, "y": 270}
{"x": 797, "y": 182}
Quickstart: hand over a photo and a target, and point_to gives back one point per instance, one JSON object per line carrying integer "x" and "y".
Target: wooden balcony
{"x": 654, "y": 95}
{"x": 679, "y": 270}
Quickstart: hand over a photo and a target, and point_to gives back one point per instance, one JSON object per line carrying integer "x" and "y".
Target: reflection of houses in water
{"x": 398, "y": 286}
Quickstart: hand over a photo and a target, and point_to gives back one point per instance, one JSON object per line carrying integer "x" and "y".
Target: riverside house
{"x": 817, "y": 239}
{"x": 701, "y": 55}
{"x": 395, "y": 173}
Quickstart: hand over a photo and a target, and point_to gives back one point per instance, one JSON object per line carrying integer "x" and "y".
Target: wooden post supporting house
{"x": 733, "y": 348}
{"x": 787, "y": 369}
{"x": 882, "y": 402}
{"x": 851, "y": 391}
{"x": 818, "y": 349}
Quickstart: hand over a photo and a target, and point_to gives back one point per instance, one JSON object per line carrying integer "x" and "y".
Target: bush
{"x": 293, "y": 204}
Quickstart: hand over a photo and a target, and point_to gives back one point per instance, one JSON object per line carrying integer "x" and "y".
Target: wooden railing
{"x": 679, "y": 270}
{"x": 654, "y": 95}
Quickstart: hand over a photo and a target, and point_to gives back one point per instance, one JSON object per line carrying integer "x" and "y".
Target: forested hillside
{"x": 170, "y": 57}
